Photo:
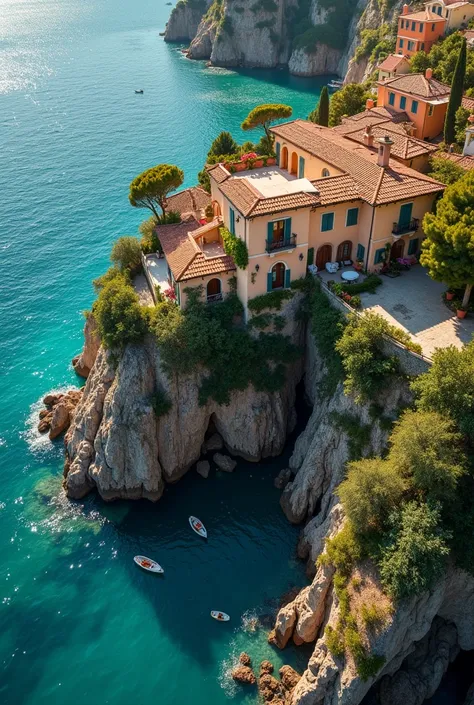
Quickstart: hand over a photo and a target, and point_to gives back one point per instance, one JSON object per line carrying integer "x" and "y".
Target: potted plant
{"x": 449, "y": 295}
{"x": 358, "y": 265}
{"x": 209, "y": 212}
{"x": 257, "y": 163}
{"x": 461, "y": 312}
{"x": 271, "y": 160}
{"x": 240, "y": 166}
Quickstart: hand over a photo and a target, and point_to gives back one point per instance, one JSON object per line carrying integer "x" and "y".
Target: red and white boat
{"x": 148, "y": 564}
{"x": 197, "y": 526}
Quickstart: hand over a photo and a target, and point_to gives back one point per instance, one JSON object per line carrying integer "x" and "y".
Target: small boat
{"x": 139, "y": 90}
{"x": 198, "y": 527}
{"x": 220, "y": 616}
{"x": 148, "y": 564}
{"x": 335, "y": 85}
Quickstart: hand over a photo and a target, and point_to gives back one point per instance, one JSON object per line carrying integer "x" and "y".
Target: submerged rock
{"x": 282, "y": 479}
{"x": 224, "y": 463}
{"x": 203, "y": 468}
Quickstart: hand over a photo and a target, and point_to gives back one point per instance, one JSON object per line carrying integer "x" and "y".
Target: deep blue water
{"x": 79, "y": 624}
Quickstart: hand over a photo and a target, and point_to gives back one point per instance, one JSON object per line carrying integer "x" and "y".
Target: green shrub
{"x": 334, "y": 641}
{"x": 370, "y": 284}
{"x": 358, "y": 433}
{"x": 416, "y": 553}
{"x": 272, "y": 300}
{"x": 373, "y": 488}
{"x": 372, "y": 617}
{"x": 235, "y": 247}
{"x": 360, "y": 348}
{"x": 111, "y": 274}
{"x": 344, "y": 550}
{"x": 119, "y": 316}
{"x": 327, "y": 324}
{"x": 160, "y": 402}
{"x": 126, "y": 254}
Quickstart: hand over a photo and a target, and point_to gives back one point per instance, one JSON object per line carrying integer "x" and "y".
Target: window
{"x": 391, "y": 98}
{"x": 360, "y": 253}
{"x": 325, "y": 172}
{"x": 232, "y": 220}
{"x": 433, "y": 25}
{"x": 413, "y": 246}
{"x": 414, "y": 106}
{"x": 327, "y": 222}
{"x": 401, "y": 43}
{"x": 430, "y": 111}
{"x": 301, "y": 168}
{"x": 421, "y": 26}
{"x": 278, "y": 230}
{"x": 413, "y": 26}
{"x": 403, "y": 102}
{"x": 352, "y": 216}
{"x": 411, "y": 46}
{"x": 422, "y": 46}
{"x": 379, "y": 256}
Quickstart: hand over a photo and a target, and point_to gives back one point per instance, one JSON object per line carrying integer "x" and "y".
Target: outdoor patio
{"x": 413, "y": 302}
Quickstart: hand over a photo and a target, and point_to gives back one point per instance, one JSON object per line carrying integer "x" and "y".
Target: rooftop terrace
{"x": 272, "y": 181}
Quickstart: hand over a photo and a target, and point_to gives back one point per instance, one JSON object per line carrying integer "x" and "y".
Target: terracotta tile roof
{"x": 404, "y": 146}
{"x": 336, "y": 189}
{"x": 423, "y": 15}
{"x": 251, "y": 203}
{"x": 418, "y": 85}
{"x": 190, "y": 200}
{"x": 184, "y": 256}
{"x": 218, "y": 173}
{"x": 468, "y": 103}
{"x": 392, "y": 61}
{"x": 287, "y": 202}
{"x": 465, "y": 162}
{"x": 375, "y": 184}
{"x": 373, "y": 116}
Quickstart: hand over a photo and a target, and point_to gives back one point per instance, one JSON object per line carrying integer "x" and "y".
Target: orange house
{"x": 418, "y": 31}
{"x": 423, "y": 98}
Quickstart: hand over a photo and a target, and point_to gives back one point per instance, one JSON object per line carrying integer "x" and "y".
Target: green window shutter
{"x": 232, "y": 220}
{"x": 287, "y": 229}
{"x": 310, "y": 257}
{"x": 327, "y": 222}
{"x": 403, "y": 102}
{"x": 391, "y": 98}
{"x": 379, "y": 255}
{"x": 277, "y": 151}
{"x": 287, "y": 278}
{"x": 414, "y": 106}
{"x": 352, "y": 216}
{"x": 405, "y": 214}
{"x": 269, "y": 281}
{"x": 270, "y": 232}
{"x": 413, "y": 246}
{"x": 176, "y": 288}
{"x": 301, "y": 168}
{"x": 360, "y": 252}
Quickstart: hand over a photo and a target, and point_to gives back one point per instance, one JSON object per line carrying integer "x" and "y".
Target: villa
{"x": 329, "y": 198}
{"x": 393, "y": 65}
{"x": 418, "y": 31}
{"x": 456, "y": 13}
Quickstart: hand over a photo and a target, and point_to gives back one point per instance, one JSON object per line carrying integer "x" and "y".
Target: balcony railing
{"x": 284, "y": 244}
{"x": 214, "y": 297}
{"x": 410, "y": 227}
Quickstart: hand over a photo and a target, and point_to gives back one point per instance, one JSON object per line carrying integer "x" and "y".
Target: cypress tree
{"x": 455, "y": 98}
{"x": 320, "y": 115}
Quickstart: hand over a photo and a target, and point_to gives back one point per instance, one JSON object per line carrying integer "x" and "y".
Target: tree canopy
{"x": 448, "y": 250}
{"x": 442, "y": 59}
{"x": 348, "y": 101}
{"x": 223, "y": 144}
{"x": 455, "y": 97}
{"x": 445, "y": 170}
{"x": 118, "y": 313}
{"x": 126, "y": 254}
{"x": 320, "y": 115}
{"x": 266, "y": 114}
{"x": 151, "y": 188}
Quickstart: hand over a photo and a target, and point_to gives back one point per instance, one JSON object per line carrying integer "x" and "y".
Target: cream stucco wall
{"x": 191, "y": 283}
{"x": 340, "y": 232}
{"x": 313, "y": 167}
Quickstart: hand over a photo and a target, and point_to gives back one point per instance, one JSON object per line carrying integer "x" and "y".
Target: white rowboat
{"x": 220, "y": 616}
{"x": 197, "y": 526}
{"x": 148, "y": 564}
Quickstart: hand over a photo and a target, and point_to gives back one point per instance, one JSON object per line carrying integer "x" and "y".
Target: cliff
{"x": 117, "y": 444}
{"x": 184, "y": 20}
{"x": 312, "y": 39}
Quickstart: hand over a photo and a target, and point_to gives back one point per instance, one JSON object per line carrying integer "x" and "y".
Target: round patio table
{"x": 350, "y": 276}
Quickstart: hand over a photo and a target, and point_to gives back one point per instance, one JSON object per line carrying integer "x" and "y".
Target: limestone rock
{"x": 270, "y": 690}
{"x": 184, "y": 21}
{"x": 245, "y": 659}
{"x": 266, "y": 667}
{"x": 203, "y": 468}
{"x": 224, "y": 463}
{"x": 289, "y": 677}
{"x": 58, "y": 415}
{"x": 470, "y": 696}
{"x": 84, "y": 362}
{"x": 243, "y": 674}
{"x": 323, "y": 60}
{"x": 282, "y": 479}
{"x": 59, "y": 421}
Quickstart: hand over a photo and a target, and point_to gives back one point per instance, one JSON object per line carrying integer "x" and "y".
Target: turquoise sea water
{"x": 79, "y": 623}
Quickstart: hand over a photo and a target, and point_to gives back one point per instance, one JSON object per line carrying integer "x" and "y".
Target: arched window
{"x": 278, "y": 275}
{"x": 325, "y": 172}
{"x": 284, "y": 158}
{"x": 344, "y": 251}
{"x": 214, "y": 290}
{"x": 294, "y": 163}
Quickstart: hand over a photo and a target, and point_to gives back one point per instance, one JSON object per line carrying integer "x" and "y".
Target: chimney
{"x": 369, "y": 104}
{"x": 385, "y": 144}
{"x": 368, "y": 136}
{"x": 429, "y": 74}
{"x": 406, "y": 9}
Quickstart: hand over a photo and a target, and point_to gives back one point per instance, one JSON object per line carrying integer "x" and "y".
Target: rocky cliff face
{"x": 118, "y": 445}
{"x": 184, "y": 20}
